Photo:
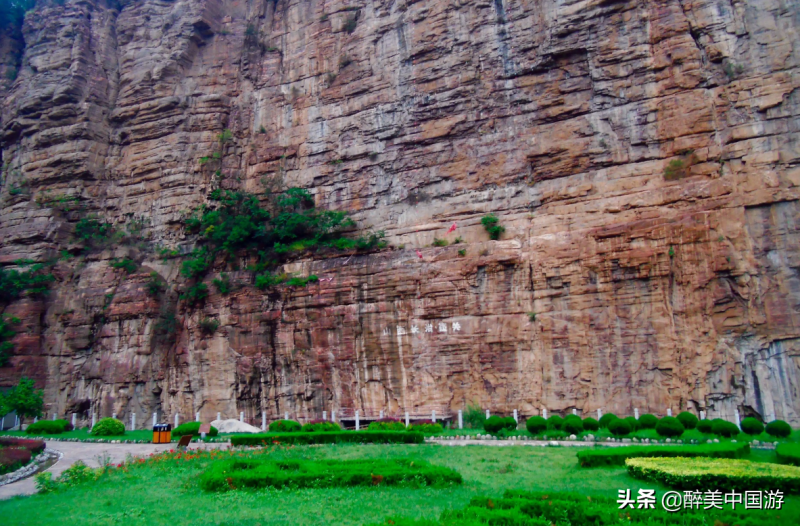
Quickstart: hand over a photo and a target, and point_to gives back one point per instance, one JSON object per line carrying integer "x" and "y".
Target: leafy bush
{"x": 223, "y": 284}
{"x": 77, "y": 473}
{"x": 619, "y": 427}
{"x": 47, "y": 427}
{"x": 606, "y": 419}
{"x": 11, "y": 459}
{"x": 14, "y": 283}
{"x": 108, "y": 427}
{"x": 91, "y": 230}
{"x": 688, "y": 420}
{"x": 536, "y": 425}
{"x": 779, "y": 428}
{"x": 192, "y": 428}
{"x": 704, "y": 426}
{"x": 752, "y": 426}
{"x": 208, "y": 326}
{"x": 128, "y": 265}
{"x": 320, "y": 426}
{"x": 590, "y": 424}
{"x": 632, "y": 422}
{"x": 788, "y": 453}
{"x": 474, "y": 416}
{"x": 495, "y": 423}
{"x": 669, "y": 426}
{"x": 721, "y": 474}
{"x": 648, "y": 421}
{"x": 195, "y": 294}
{"x": 426, "y": 426}
{"x": 490, "y": 223}
{"x": 387, "y": 424}
{"x": 6, "y": 334}
{"x": 573, "y": 424}
{"x": 263, "y": 473}
{"x": 439, "y": 242}
{"x": 675, "y": 170}
{"x": 344, "y": 437}
{"x": 555, "y": 422}
{"x": 285, "y": 426}
{"x": 154, "y": 285}
{"x": 724, "y": 428}
{"x": 615, "y": 456}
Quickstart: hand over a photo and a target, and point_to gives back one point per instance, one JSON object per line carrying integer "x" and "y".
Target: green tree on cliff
{"x": 25, "y": 399}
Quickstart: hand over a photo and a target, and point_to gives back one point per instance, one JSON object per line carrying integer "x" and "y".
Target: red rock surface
{"x": 558, "y": 117}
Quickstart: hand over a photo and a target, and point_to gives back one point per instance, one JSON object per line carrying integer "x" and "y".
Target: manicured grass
{"x": 167, "y": 491}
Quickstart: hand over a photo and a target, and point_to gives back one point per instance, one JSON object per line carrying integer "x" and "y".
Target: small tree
{"x": 25, "y": 399}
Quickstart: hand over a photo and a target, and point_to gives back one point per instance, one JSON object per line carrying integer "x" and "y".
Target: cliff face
{"x": 654, "y": 285}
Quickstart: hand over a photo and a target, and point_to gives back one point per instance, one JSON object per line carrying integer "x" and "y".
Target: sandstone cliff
{"x": 643, "y": 156}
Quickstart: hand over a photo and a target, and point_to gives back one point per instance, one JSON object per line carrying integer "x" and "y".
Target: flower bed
{"x": 616, "y": 456}
{"x": 358, "y": 437}
{"x": 17, "y": 452}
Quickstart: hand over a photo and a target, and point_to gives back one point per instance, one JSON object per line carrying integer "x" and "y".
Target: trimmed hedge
{"x": 616, "y": 456}
{"x": 285, "y": 426}
{"x": 34, "y": 446}
{"x": 342, "y": 437}
{"x": 720, "y": 474}
{"x": 555, "y": 422}
{"x": 495, "y": 423}
{"x": 426, "y": 426}
{"x": 632, "y": 422}
{"x": 48, "y": 427}
{"x": 607, "y": 419}
{"x": 535, "y": 425}
{"x": 264, "y": 473}
{"x": 108, "y": 427}
{"x": 320, "y": 426}
{"x": 648, "y": 421}
{"x": 752, "y": 426}
{"x": 619, "y": 427}
{"x": 192, "y": 428}
{"x": 779, "y": 428}
{"x": 573, "y": 424}
{"x": 724, "y": 428}
{"x": 387, "y": 424}
{"x": 788, "y": 453}
{"x": 590, "y": 424}
{"x": 704, "y": 426}
{"x": 669, "y": 426}
{"x": 688, "y": 420}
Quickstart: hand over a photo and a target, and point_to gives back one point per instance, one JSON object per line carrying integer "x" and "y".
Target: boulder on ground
{"x": 234, "y": 426}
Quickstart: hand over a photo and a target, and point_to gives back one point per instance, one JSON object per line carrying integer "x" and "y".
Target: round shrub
{"x": 426, "y": 426}
{"x": 493, "y": 424}
{"x": 510, "y": 423}
{"x": 284, "y": 426}
{"x": 688, "y": 420}
{"x": 387, "y": 424}
{"x": 590, "y": 424}
{"x": 670, "y": 427}
{"x": 779, "y": 428}
{"x": 752, "y": 426}
{"x": 607, "y": 419}
{"x": 724, "y": 428}
{"x": 704, "y": 426}
{"x": 632, "y": 422}
{"x": 648, "y": 421}
{"x": 322, "y": 426}
{"x": 46, "y": 427}
{"x": 192, "y": 428}
{"x": 535, "y": 425}
{"x": 108, "y": 427}
{"x": 573, "y": 424}
{"x": 555, "y": 422}
{"x": 619, "y": 427}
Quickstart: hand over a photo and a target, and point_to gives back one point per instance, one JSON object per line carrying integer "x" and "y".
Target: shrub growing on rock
{"x": 779, "y": 428}
{"x": 688, "y": 420}
{"x": 192, "y": 428}
{"x": 752, "y": 426}
{"x": 573, "y": 424}
{"x": 323, "y": 426}
{"x": 535, "y": 425}
{"x": 648, "y": 421}
{"x": 606, "y": 419}
{"x": 724, "y": 428}
{"x": 285, "y": 426}
{"x": 590, "y": 424}
{"x": 108, "y": 427}
{"x": 387, "y": 424}
{"x": 555, "y": 422}
{"x": 704, "y": 426}
{"x": 619, "y": 427}
{"x": 670, "y": 427}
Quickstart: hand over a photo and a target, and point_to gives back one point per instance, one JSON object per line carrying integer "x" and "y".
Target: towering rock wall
{"x": 643, "y": 156}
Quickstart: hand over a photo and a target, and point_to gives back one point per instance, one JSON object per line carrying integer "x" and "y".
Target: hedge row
{"x": 720, "y": 474}
{"x": 788, "y": 454}
{"x": 521, "y": 508}
{"x": 48, "y": 427}
{"x": 359, "y": 437}
{"x": 262, "y": 473}
{"x": 192, "y": 428}
{"x": 616, "y": 456}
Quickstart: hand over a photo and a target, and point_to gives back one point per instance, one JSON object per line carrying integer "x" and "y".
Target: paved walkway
{"x": 90, "y": 453}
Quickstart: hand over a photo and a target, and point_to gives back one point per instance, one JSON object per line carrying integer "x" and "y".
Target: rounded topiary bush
{"x": 688, "y": 420}
{"x": 510, "y": 423}
{"x": 704, "y": 426}
{"x": 535, "y": 425}
{"x": 632, "y": 422}
{"x": 724, "y": 428}
{"x": 590, "y": 424}
{"x": 573, "y": 424}
{"x": 321, "y": 426}
{"x": 285, "y": 426}
{"x": 752, "y": 426}
{"x": 648, "y": 421}
{"x": 387, "y": 424}
{"x": 607, "y": 419}
{"x": 46, "y": 427}
{"x": 670, "y": 427}
{"x": 619, "y": 427}
{"x": 493, "y": 424}
{"x": 555, "y": 422}
{"x": 779, "y": 428}
{"x": 192, "y": 428}
{"x": 108, "y": 427}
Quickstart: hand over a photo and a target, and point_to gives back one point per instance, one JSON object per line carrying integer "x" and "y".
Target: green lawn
{"x": 168, "y": 492}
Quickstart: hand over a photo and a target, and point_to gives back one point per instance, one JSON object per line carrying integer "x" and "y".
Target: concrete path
{"x": 90, "y": 453}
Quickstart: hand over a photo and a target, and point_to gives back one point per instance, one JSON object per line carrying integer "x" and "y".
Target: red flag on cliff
{"x": 419, "y": 254}
{"x": 452, "y": 228}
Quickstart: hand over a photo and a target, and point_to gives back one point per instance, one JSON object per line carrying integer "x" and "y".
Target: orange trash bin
{"x": 162, "y": 434}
